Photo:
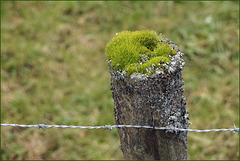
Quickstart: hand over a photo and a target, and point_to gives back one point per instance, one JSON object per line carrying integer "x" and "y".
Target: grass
{"x": 54, "y": 71}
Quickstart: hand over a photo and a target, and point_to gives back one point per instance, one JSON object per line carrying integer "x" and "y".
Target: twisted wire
{"x": 109, "y": 127}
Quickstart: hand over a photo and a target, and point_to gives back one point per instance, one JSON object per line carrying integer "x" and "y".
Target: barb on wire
{"x": 235, "y": 129}
{"x": 110, "y": 127}
{"x": 41, "y": 126}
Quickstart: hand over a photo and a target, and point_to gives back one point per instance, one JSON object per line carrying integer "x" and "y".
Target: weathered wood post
{"x": 146, "y": 79}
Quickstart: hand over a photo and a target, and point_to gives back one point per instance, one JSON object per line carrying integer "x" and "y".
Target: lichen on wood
{"x": 155, "y": 99}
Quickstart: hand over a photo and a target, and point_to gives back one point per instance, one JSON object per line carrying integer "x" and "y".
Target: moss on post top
{"x": 139, "y": 51}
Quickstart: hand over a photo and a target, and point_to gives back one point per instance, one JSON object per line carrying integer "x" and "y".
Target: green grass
{"x": 54, "y": 71}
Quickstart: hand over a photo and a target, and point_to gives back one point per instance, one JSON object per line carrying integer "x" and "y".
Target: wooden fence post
{"x": 156, "y": 100}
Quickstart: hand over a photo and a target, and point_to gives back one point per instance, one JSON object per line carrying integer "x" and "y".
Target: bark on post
{"x": 157, "y": 100}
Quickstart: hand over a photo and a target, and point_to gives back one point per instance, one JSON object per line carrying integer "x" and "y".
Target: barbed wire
{"x": 110, "y": 127}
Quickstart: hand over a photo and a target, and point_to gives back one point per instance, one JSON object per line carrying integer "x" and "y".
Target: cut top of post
{"x": 144, "y": 52}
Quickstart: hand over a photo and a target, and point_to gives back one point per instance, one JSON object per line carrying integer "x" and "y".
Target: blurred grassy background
{"x": 54, "y": 71}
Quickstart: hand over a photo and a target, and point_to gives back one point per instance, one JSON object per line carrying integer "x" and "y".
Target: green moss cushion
{"x": 138, "y": 51}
